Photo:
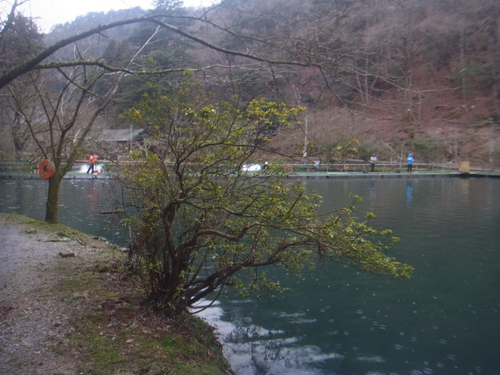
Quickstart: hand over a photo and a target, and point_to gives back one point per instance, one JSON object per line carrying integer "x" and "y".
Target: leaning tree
{"x": 200, "y": 222}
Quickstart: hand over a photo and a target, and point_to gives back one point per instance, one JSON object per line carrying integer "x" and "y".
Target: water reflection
{"x": 409, "y": 192}
{"x": 253, "y": 349}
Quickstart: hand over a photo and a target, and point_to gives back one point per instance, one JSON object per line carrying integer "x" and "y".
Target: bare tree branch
{"x": 37, "y": 61}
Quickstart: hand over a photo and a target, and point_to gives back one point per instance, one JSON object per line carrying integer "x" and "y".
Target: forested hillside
{"x": 417, "y": 75}
{"x": 375, "y": 76}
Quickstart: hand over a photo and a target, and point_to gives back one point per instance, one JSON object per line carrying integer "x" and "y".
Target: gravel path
{"x": 34, "y": 321}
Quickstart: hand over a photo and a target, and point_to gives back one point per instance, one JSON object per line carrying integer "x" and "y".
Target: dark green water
{"x": 443, "y": 321}
{"x": 84, "y": 204}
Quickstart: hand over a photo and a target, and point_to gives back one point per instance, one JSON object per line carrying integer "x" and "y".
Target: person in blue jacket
{"x": 410, "y": 163}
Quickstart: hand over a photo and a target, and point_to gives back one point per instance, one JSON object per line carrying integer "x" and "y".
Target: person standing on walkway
{"x": 92, "y": 160}
{"x": 373, "y": 160}
{"x": 409, "y": 160}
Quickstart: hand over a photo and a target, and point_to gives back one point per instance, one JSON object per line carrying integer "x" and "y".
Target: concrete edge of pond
{"x": 295, "y": 175}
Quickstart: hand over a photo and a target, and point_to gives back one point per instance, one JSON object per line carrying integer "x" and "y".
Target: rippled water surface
{"x": 443, "y": 321}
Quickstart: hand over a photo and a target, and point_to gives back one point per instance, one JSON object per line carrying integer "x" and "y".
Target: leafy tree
{"x": 341, "y": 150}
{"x": 202, "y": 223}
{"x": 19, "y": 41}
{"x": 429, "y": 147}
{"x": 161, "y": 49}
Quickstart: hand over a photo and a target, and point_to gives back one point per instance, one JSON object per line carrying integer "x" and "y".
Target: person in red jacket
{"x": 92, "y": 160}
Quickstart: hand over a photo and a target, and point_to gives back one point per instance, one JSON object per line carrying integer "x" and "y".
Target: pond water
{"x": 88, "y": 205}
{"x": 445, "y": 320}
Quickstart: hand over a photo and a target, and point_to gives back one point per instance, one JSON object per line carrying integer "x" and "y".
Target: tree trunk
{"x": 52, "y": 204}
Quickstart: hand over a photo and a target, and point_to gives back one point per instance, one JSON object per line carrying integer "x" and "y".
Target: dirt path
{"x": 34, "y": 320}
{"x": 65, "y": 309}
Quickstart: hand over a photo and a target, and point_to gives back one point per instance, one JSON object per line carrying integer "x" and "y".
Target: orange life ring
{"x": 46, "y": 169}
{"x": 288, "y": 169}
{"x": 346, "y": 167}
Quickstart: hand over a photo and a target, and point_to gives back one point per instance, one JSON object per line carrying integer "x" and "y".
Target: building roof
{"x": 120, "y": 135}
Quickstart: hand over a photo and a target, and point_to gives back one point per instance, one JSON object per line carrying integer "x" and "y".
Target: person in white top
{"x": 373, "y": 160}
